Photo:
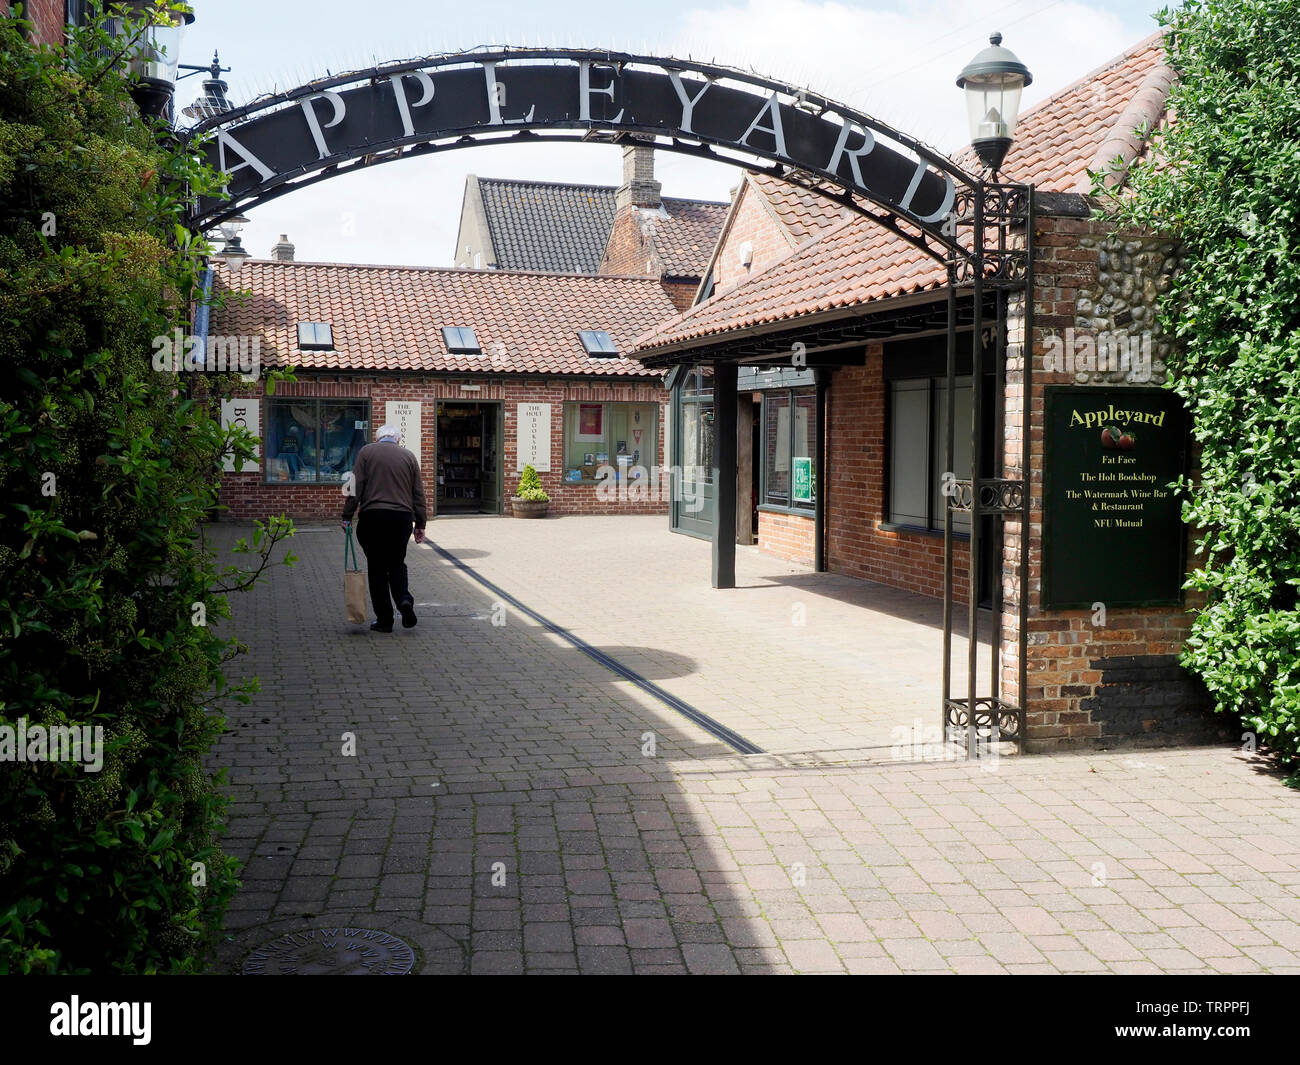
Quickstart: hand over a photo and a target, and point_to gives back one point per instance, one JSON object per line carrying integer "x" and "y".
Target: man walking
{"x": 386, "y": 489}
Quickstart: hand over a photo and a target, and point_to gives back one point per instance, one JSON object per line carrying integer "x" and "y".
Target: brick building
{"x": 50, "y": 17}
{"x": 839, "y": 447}
{"x": 486, "y": 370}
{"x": 630, "y": 230}
{"x": 657, "y": 236}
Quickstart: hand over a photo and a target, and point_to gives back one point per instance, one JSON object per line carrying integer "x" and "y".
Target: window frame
{"x": 934, "y": 521}
{"x": 316, "y": 342}
{"x": 790, "y": 506}
{"x": 602, "y": 349}
{"x": 318, "y": 403}
{"x": 453, "y": 336}
{"x": 570, "y": 414}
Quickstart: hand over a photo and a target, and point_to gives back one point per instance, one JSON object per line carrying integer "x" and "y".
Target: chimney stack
{"x": 282, "y": 250}
{"x": 639, "y": 188}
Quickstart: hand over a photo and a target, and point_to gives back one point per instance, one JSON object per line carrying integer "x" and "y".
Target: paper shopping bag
{"x": 354, "y": 584}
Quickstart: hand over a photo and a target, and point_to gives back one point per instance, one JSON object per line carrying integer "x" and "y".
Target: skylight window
{"x": 597, "y": 344}
{"x": 461, "y": 340}
{"x": 315, "y": 336}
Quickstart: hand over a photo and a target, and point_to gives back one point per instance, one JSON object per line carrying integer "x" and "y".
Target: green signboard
{"x": 803, "y": 480}
{"x": 1112, "y": 527}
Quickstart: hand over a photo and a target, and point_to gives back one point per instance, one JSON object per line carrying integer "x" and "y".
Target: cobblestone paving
{"x": 501, "y": 815}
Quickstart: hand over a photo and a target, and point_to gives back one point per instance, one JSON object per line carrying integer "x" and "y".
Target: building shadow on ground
{"x": 492, "y": 797}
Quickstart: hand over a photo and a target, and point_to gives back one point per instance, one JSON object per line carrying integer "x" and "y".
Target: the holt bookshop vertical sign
{"x": 1112, "y": 526}
{"x": 533, "y": 437}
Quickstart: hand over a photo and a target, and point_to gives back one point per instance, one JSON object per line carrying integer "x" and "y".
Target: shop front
{"x": 469, "y": 458}
{"x": 777, "y": 464}
{"x": 952, "y": 455}
{"x": 478, "y": 390}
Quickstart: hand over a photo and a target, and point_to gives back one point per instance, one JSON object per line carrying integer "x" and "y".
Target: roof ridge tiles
{"x": 693, "y": 200}
{"x": 599, "y": 188}
{"x": 458, "y": 270}
{"x": 1092, "y": 75}
{"x": 555, "y": 184}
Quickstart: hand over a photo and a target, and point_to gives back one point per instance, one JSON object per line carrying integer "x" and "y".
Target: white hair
{"x": 389, "y": 432}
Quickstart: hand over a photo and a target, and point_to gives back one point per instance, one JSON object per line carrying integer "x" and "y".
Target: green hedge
{"x": 107, "y": 468}
{"x": 1223, "y": 180}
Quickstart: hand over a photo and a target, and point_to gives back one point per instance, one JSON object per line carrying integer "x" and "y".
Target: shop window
{"x": 697, "y": 427}
{"x": 918, "y": 412}
{"x": 789, "y": 439}
{"x": 691, "y": 457}
{"x": 314, "y": 441}
{"x": 623, "y": 436}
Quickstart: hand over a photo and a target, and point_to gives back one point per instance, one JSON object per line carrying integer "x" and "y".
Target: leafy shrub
{"x": 107, "y": 469}
{"x": 1222, "y": 179}
{"x": 530, "y": 487}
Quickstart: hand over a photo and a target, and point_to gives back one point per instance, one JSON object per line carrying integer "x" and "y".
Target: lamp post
{"x": 1001, "y": 261}
{"x": 993, "y": 81}
{"x": 152, "y": 60}
{"x": 213, "y": 100}
{"x": 233, "y": 253}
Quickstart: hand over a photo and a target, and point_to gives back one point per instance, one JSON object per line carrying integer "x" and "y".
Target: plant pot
{"x": 529, "y": 508}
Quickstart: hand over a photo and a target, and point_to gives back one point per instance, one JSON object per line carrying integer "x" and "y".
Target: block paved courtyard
{"x": 504, "y": 811}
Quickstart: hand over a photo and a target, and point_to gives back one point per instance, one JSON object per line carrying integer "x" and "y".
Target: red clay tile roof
{"x": 684, "y": 240}
{"x": 803, "y": 213}
{"x": 391, "y": 317}
{"x": 1057, "y": 140}
{"x": 855, "y": 261}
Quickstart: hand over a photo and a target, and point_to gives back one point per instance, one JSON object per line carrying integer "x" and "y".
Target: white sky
{"x": 895, "y": 61}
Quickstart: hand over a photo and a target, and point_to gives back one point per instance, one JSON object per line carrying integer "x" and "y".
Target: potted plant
{"x": 530, "y": 501}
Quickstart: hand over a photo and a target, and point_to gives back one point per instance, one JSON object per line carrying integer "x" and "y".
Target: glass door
{"x": 460, "y": 445}
{"x": 692, "y": 505}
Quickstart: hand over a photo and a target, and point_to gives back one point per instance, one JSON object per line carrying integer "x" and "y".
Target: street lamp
{"x": 213, "y": 100}
{"x": 153, "y": 59}
{"x": 232, "y": 253}
{"x": 232, "y": 227}
{"x": 993, "y": 81}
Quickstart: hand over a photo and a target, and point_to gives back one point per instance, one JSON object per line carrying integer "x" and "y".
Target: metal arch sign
{"x": 293, "y": 138}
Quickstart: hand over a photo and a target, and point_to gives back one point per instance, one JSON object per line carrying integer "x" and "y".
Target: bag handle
{"x": 348, "y": 545}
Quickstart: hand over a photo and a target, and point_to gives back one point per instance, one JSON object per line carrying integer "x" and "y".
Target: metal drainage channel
{"x": 719, "y": 731}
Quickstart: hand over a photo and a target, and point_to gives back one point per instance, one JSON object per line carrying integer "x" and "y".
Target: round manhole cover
{"x": 332, "y": 952}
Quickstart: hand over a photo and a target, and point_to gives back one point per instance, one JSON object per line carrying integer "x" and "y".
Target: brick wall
{"x": 628, "y": 251}
{"x": 856, "y": 544}
{"x": 752, "y": 222}
{"x": 1089, "y": 684}
{"x": 787, "y": 536}
{"x": 682, "y": 293}
{"x": 248, "y": 497}
{"x": 48, "y": 18}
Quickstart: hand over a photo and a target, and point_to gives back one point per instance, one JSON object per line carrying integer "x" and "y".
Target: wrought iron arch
{"x": 339, "y": 123}
{"x": 344, "y": 122}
